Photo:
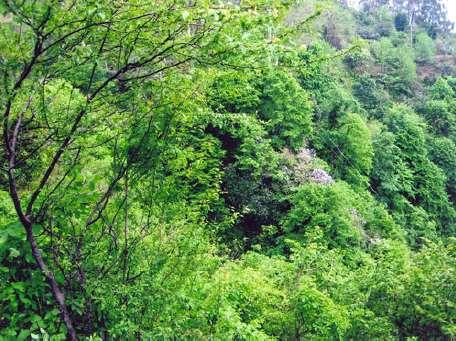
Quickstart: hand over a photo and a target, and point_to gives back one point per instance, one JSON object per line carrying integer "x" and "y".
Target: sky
{"x": 451, "y": 5}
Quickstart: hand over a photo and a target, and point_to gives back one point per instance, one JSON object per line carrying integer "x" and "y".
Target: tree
{"x": 424, "y": 48}
{"x": 432, "y": 14}
{"x": 442, "y": 90}
{"x": 69, "y": 71}
{"x": 194, "y": 170}
{"x": 286, "y": 109}
{"x": 405, "y": 177}
{"x": 346, "y": 219}
{"x": 398, "y": 66}
{"x": 440, "y": 116}
{"x": 349, "y": 149}
{"x": 401, "y": 22}
{"x": 371, "y": 5}
{"x": 429, "y": 293}
{"x": 441, "y": 152}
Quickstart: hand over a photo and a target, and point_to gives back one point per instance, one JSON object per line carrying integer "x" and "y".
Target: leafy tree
{"x": 348, "y": 149}
{"x": 398, "y": 66}
{"x": 345, "y": 218}
{"x": 376, "y": 22}
{"x": 226, "y": 170}
{"x": 78, "y": 72}
{"x": 427, "y": 310}
{"x": 286, "y": 110}
{"x": 410, "y": 176}
{"x": 371, "y": 95}
{"x": 401, "y": 22}
{"x": 338, "y": 27}
{"x": 442, "y": 151}
{"x": 442, "y": 90}
{"x": 424, "y": 48}
{"x": 432, "y": 14}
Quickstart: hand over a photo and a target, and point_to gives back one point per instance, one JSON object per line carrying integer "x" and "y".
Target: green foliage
{"x": 282, "y": 105}
{"x": 430, "y": 293}
{"x": 397, "y": 62}
{"x": 440, "y": 116}
{"x": 222, "y": 171}
{"x": 404, "y": 174}
{"x": 286, "y": 109}
{"x": 401, "y": 22}
{"x": 442, "y": 90}
{"x": 233, "y": 92}
{"x": 424, "y": 48}
{"x": 317, "y": 314}
{"x": 338, "y": 27}
{"x": 376, "y": 24}
{"x": 354, "y": 142}
{"x": 329, "y": 207}
{"x": 346, "y": 218}
{"x": 26, "y": 307}
{"x": 348, "y": 149}
{"x": 442, "y": 151}
{"x": 371, "y": 95}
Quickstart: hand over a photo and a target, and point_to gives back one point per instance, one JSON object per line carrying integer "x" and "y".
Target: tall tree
{"x": 370, "y": 5}
{"x": 432, "y": 14}
{"x": 70, "y": 71}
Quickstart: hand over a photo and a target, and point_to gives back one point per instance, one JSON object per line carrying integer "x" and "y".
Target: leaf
{"x": 23, "y": 335}
{"x": 14, "y": 252}
{"x": 15, "y": 230}
{"x": 19, "y": 286}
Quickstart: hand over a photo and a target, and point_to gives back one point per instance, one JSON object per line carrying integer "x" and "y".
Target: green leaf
{"x": 23, "y": 335}
{"x": 14, "y": 252}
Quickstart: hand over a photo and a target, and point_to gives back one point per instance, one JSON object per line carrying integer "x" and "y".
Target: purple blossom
{"x": 322, "y": 177}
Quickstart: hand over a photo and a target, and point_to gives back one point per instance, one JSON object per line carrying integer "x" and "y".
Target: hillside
{"x": 227, "y": 170}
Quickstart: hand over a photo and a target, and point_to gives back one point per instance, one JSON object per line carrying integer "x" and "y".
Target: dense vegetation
{"x": 246, "y": 170}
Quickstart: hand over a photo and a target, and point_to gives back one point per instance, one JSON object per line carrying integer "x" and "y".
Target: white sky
{"x": 451, "y": 5}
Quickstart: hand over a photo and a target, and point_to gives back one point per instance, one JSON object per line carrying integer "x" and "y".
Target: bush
{"x": 424, "y": 48}
{"x": 401, "y": 22}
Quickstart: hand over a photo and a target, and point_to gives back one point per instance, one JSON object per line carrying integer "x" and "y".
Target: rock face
{"x": 305, "y": 167}
{"x": 321, "y": 176}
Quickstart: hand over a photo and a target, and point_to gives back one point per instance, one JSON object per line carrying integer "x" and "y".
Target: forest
{"x": 227, "y": 170}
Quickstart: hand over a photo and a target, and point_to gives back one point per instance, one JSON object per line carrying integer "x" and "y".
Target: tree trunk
{"x": 50, "y": 278}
